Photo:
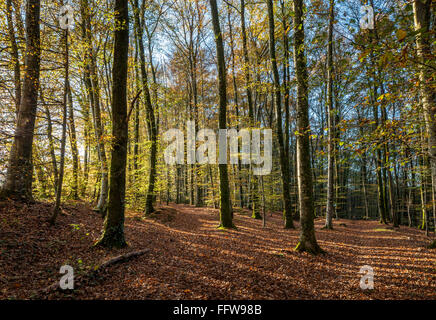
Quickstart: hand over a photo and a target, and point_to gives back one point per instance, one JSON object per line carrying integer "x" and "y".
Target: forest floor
{"x": 189, "y": 258}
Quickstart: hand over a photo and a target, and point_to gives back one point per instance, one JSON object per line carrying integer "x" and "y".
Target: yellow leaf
{"x": 401, "y": 34}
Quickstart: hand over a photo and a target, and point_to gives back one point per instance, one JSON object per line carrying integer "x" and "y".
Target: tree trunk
{"x": 93, "y": 91}
{"x": 284, "y": 163}
{"x": 113, "y": 232}
{"x": 19, "y": 175}
{"x": 150, "y": 113}
{"x": 331, "y": 129}
{"x": 238, "y": 169}
{"x": 14, "y": 54}
{"x": 50, "y": 140}
{"x": 246, "y": 62}
{"x": 73, "y": 143}
{"x": 225, "y": 207}
{"x": 363, "y": 171}
{"x": 308, "y": 241}
{"x": 136, "y": 126}
{"x": 422, "y": 18}
{"x": 60, "y": 179}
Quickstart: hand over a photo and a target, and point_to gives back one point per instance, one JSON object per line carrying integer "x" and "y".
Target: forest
{"x": 217, "y": 149}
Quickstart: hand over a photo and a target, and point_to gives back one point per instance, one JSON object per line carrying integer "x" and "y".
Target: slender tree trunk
{"x": 378, "y": 156}
{"x": 136, "y": 126}
{"x": 93, "y": 91}
{"x": 331, "y": 129}
{"x": 42, "y": 182}
{"x": 113, "y": 232}
{"x": 305, "y": 192}
{"x": 14, "y": 54}
{"x": 284, "y": 163}
{"x": 363, "y": 171}
{"x": 19, "y": 176}
{"x": 225, "y": 207}
{"x": 99, "y": 132}
{"x": 424, "y": 183}
{"x": 155, "y": 130}
{"x": 73, "y": 143}
{"x": 238, "y": 184}
{"x": 60, "y": 179}
{"x": 50, "y": 140}
{"x": 252, "y": 185}
{"x": 86, "y": 137}
{"x": 18, "y": 18}
{"x": 380, "y": 164}
{"x": 422, "y": 18}
{"x": 286, "y": 80}
{"x": 195, "y": 167}
{"x": 246, "y": 62}
{"x": 150, "y": 113}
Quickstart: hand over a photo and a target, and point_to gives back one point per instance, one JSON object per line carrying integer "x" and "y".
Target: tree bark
{"x": 60, "y": 179}
{"x": 246, "y": 62}
{"x": 93, "y": 91}
{"x": 422, "y": 18}
{"x": 331, "y": 128}
{"x": 284, "y": 163}
{"x": 150, "y": 113}
{"x": 19, "y": 176}
{"x": 50, "y": 139}
{"x": 113, "y": 232}
{"x": 14, "y": 54}
{"x": 238, "y": 169}
{"x": 225, "y": 207}
{"x": 73, "y": 143}
{"x": 308, "y": 241}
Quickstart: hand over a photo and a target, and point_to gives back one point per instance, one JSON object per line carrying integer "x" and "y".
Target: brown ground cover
{"x": 189, "y": 258}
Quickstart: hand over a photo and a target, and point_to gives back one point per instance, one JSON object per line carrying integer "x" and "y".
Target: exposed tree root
{"x": 309, "y": 248}
{"x": 122, "y": 258}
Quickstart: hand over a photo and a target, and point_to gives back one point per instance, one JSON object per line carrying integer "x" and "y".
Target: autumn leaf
{"x": 401, "y": 35}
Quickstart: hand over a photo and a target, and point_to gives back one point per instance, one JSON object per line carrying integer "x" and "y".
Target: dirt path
{"x": 190, "y": 259}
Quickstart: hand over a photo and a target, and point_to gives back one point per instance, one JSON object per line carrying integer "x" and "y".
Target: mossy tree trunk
{"x": 308, "y": 241}
{"x": 19, "y": 176}
{"x": 225, "y": 207}
{"x": 113, "y": 232}
{"x": 422, "y": 16}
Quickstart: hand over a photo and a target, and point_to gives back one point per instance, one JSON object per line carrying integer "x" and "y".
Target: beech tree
{"x": 113, "y": 231}
{"x": 151, "y": 122}
{"x": 19, "y": 177}
{"x": 331, "y": 127}
{"x": 422, "y": 17}
{"x": 351, "y": 109}
{"x": 305, "y": 192}
{"x": 225, "y": 206}
{"x": 284, "y": 162}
